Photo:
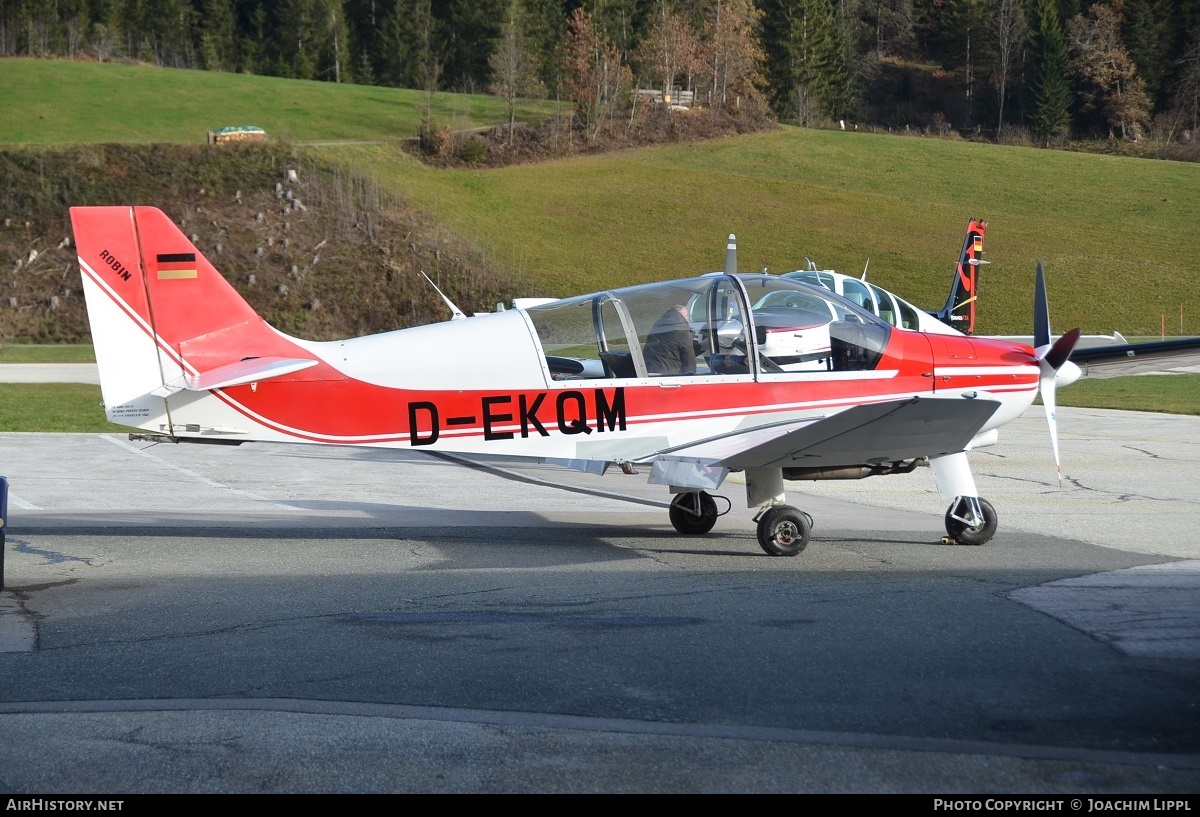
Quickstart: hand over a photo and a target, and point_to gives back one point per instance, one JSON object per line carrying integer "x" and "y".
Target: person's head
{"x": 682, "y": 310}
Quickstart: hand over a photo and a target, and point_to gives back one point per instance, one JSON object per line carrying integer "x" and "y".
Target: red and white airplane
{"x": 579, "y": 382}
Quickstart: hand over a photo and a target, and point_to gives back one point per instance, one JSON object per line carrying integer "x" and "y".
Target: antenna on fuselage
{"x": 864, "y": 275}
{"x": 731, "y": 255}
{"x": 456, "y": 313}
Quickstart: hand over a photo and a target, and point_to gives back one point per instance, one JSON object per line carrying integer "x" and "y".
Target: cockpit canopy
{"x": 711, "y": 325}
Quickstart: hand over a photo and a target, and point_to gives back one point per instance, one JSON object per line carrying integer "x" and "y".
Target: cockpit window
{"x": 702, "y": 326}
{"x": 815, "y": 277}
{"x": 802, "y": 328}
{"x": 856, "y": 292}
{"x": 887, "y": 309}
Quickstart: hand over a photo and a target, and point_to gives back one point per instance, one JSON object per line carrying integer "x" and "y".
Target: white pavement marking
{"x": 21, "y": 503}
{"x": 193, "y": 475}
{"x": 49, "y": 373}
{"x": 1150, "y": 612}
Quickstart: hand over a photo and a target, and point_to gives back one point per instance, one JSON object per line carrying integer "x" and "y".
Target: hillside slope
{"x": 326, "y": 256}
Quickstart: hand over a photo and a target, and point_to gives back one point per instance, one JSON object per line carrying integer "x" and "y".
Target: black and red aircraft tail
{"x": 959, "y": 310}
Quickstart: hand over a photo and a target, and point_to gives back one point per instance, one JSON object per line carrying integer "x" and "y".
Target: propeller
{"x": 1051, "y": 358}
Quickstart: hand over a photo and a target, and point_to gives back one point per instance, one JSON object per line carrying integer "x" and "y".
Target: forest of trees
{"x": 1039, "y": 70}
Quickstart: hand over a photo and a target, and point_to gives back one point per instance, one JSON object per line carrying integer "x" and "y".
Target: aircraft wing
{"x": 1176, "y": 356}
{"x": 876, "y": 433}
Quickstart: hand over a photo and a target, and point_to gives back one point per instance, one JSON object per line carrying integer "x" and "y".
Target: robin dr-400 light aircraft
{"x": 588, "y": 382}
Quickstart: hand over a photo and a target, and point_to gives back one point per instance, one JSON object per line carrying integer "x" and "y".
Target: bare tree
{"x": 595, "y": 74}
{"x": 668, "y": 50}
{"x": 513, "y": 66}
{"x": 1099, "y": 57}
{"x": 734, "y": 52}
{"x": 1187, "y": 90}
{"x": 1011, "y": 31}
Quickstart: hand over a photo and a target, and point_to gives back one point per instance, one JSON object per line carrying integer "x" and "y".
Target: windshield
{"x": 703, "y": 327}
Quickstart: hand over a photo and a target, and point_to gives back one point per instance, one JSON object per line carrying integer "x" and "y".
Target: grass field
{"x": 33, "y": 353}
{"x": 1117, "y": 235}
{"x": 50, "y": 102}
{"x": 53, "y": 407}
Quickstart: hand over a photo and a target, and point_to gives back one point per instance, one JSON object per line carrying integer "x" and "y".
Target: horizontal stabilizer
{"x": 250, "y": 370}
{"x": 864, "y": 435}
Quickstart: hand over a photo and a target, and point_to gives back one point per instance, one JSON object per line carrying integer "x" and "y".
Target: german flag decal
{"x": 176, "y": 265}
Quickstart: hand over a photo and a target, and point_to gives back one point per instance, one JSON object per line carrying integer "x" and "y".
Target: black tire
{"x": 783, "y": 530}
{"x": 964, "y": 534}
{"x": 686, "y": 520}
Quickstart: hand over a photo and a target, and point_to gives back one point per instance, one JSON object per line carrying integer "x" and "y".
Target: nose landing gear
{"x": 970, "y": 520}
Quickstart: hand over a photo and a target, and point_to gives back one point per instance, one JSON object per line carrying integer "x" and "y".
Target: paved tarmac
{"x": 278, "y": 618}
{"x": 49, "y": 373}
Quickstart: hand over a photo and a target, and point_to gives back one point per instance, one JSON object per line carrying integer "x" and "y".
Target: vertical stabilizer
{"x": 158, "y": 311}
{"x": 959, "y": 311}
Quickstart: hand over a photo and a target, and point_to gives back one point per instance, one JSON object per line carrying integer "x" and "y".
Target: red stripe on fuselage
{"x": 322, "y": 404}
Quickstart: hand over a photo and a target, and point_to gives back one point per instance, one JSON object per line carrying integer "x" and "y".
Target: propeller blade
{"x": 1046, "y": 387}
{"x": 1050, "y": 359}
{"x": 731, "y": 256}
{"x": 1041, "y": 311}
{"x": 1061, "y": 350}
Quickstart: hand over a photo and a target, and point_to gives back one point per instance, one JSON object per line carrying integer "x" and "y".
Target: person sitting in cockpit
{"x": 669, "y": 349}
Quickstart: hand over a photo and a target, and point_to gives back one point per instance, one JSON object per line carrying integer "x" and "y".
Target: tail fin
{"x": 959, "y": 310}
{"x": 163, "y": 319}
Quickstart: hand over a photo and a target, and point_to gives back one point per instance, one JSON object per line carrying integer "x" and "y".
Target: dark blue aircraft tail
{"x": 959, "y": 310}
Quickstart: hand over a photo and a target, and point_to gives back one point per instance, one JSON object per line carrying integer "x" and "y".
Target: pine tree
{"x": 1051, "y": 116}
{"x": 1145, "y": 40}
{"x": 218, "y": 49}
{"x": 514, "y": 73}
{"x": 296, "y": 46}
{"x": 807, "y": 61}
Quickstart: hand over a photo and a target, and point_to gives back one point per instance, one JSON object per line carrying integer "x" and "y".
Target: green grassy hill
{"x": 57, "y": 102}
{"x": 1118, "y": 236}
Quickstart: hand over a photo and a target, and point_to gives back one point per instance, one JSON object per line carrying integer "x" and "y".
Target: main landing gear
{"x": 782, "y": 529}
{"x": 694, "y": 513}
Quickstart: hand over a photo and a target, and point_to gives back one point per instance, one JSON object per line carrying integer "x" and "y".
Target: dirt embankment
{"x": 319, "y": 253}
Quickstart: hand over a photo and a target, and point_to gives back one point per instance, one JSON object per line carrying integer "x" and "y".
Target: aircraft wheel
{"x": 964, "y": 534}
{"x": 693, "y": 513}
{"x": 783, "y": 530}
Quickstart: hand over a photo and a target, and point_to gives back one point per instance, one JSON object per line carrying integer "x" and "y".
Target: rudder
{"x": 959, "y": 310}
